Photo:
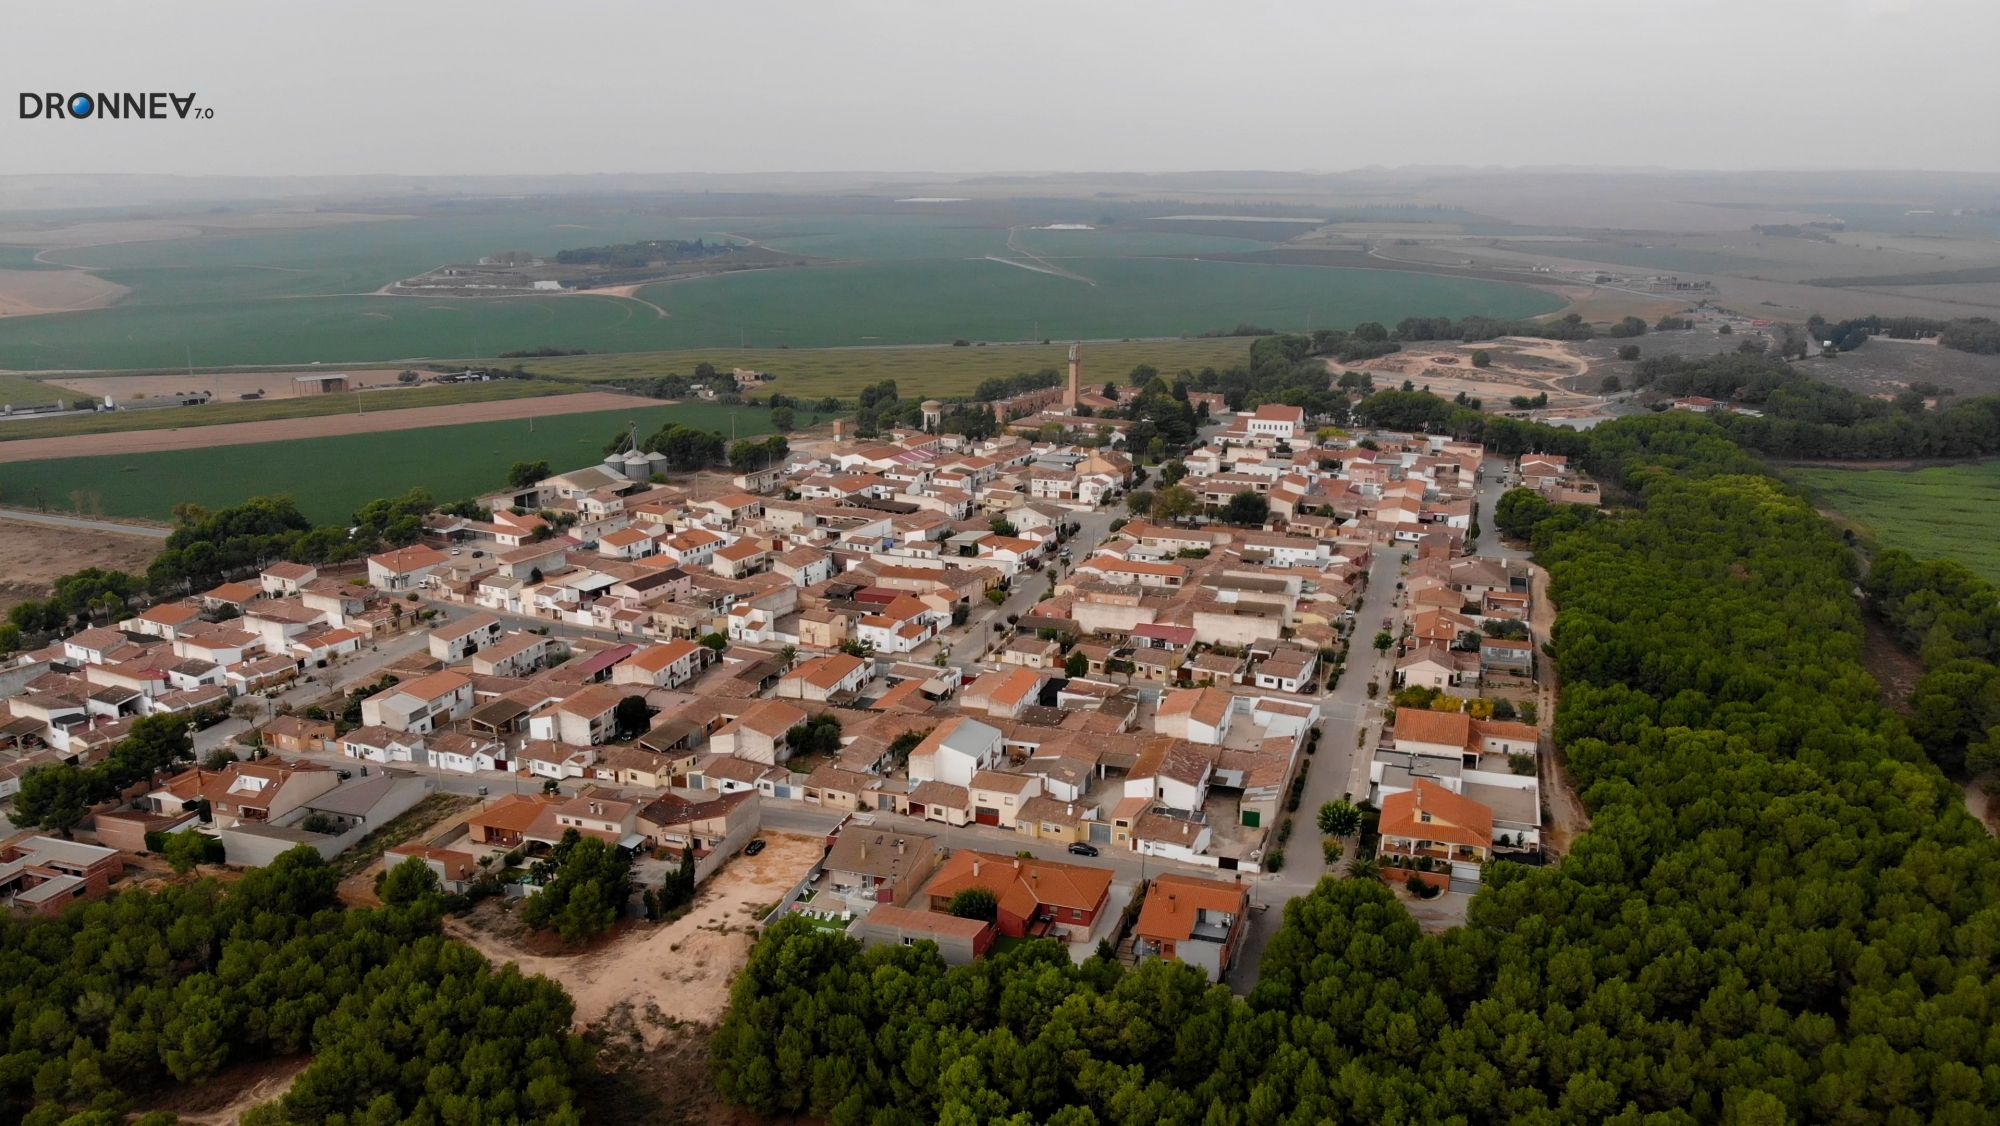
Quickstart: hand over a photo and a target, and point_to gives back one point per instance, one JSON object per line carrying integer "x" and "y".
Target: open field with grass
{"x": 941, "y": 370}
{"x": 330, "y": 477}
{"x": 1950, "y": 512}
{"x": 264, "y": 410}
{"x": 899, "y": 302}
{"x": 202, "y": 291}
{"x": 21, "y": 390}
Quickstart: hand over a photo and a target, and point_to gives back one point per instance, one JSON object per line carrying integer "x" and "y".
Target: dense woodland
{"x": 635, "y": 255}
{"x": 1950, "y": 617}
{"x": 1803, "y": 417}
{"x": 1781, "y": 913}
{"x": 121, "y": 998}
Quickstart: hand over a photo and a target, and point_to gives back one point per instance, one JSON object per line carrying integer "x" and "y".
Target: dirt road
{"x": 286, "y": 429}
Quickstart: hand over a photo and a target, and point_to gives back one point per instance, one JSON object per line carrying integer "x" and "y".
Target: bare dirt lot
{"x": 34, "y": 555}
{"x": 1519, "y": 367}
{"x": 286, "y": 429}
{"x": 222, "y": 385}
{"x": 659, "y": 975}
{"x": 27, "y": 292}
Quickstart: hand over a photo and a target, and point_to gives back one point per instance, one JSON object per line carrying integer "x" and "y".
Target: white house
{"x": 955, "y": 750}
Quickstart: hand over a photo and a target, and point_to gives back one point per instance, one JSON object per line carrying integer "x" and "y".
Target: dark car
{"x": 1081, "y": 849}
{"x": 754, "y": 847}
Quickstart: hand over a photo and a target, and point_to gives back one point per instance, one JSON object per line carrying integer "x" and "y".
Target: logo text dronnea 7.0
{"x": 156, "y": 105}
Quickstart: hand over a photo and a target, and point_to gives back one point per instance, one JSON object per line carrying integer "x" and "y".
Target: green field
{"x": 1944, "y": 512}
{"x": 263, "y": 410}
{"x": 814, "y": 373}
{"x": 21, "y": 390}
{"x": 331, "y": 477}
{"x": 885, "y": 277}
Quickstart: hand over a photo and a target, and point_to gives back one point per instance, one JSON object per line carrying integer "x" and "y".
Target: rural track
{"x": 85, "y": 523}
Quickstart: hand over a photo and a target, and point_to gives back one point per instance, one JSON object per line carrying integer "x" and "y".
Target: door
{"x": 1252, "y": 818}
{"x": 985, "y": 815}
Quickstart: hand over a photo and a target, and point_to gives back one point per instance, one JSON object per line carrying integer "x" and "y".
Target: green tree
{"x": 1076, "y": 665}
{"x": 974, "y": 903}
{"x": 55, "y": 797}
{"x": 783, "y": 419}
{"x": 184, "y": 850}
{"x": 1482, "y": 358}
{"x": 409, "y": 882}
{"x": 1174, "y": 504}
{"x": 1339, "y": 819}
{"x": 1139, "y": 501}
{"x": 524, "y": 473}
{"x": 1248, "y": 510}
{"x": 586, "y": 883}
{"x": 631, "y": 715}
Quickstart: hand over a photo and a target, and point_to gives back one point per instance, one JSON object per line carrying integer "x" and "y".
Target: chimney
{"x": 1170, "y": 903}
{"x": 975, "y": 865}
{"x": 899, "y": 848}
{"x": 1075, "y": 378}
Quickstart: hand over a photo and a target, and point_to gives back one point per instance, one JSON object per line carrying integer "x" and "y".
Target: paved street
{"x": 969, "y": 641}
{"x": 357, "y": 669}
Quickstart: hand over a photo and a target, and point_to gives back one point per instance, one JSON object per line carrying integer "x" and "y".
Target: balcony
{"x": 1213, "y": 928}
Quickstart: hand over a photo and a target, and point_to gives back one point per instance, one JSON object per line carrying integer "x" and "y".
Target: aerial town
{"x": 954, "y": 664}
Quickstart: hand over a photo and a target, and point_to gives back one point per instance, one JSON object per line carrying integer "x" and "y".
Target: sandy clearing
{"x": 1519, "y": 366}
{"x": 679, "y": 972}
{"x": 223, "y": 385}
{"x": 34, "y": 555}
{"x": 285, "y": 429}
{"x": 28, "y": 292}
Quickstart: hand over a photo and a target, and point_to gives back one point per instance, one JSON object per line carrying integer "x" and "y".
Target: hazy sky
{"x": 479, "y": 86}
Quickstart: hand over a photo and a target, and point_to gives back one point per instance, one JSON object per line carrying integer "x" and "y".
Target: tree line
{"x": 1803, "y": 417}
{"x": 1781, "y": 911}
{"x": 116, "y": 1000}
{"x": 1950, "y": 618}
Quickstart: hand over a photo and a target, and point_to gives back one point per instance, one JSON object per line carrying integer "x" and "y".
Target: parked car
{"x": 754, "y": 847}
{"x": 1082, "y": 849}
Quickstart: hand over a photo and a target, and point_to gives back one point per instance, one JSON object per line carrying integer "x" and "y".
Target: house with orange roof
{"x": 1193, "y": 920}
{"x": 1429, "y": 820}
{"x": 1199, "y": 715}
{"x": 758, "y": 735}
{"x": 456, "y": 640}
{"x": 959, "y": 941}
{"x": 1037, "y": 898}
{"x": 823, "y": 678}
{"x": 263, "y": 791}
{"x": 455, "y": 870}
{"x": 1003, "y": 694}
{"x": 286, "y": 578}
{"x": 745, "y": 557}
{"x": 165, "y": 620}
{"x": 997, "y": 796}
{"x": 405, "y": 568}
{"x": 628, "y": 543}
{"x": 584, "y": 718}
{"x": 507, "y": 821}
{"x": 421, "y": 705}
{"x": 666, "y": 665}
